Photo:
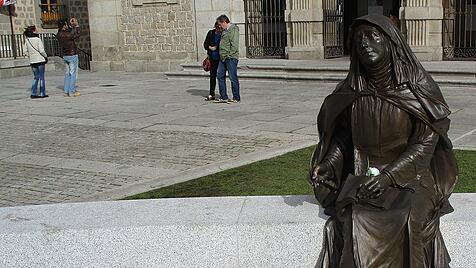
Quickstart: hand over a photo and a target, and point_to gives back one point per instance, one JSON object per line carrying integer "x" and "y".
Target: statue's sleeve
{"x": 340, "y": 147}
{"x": 407, "y": 169}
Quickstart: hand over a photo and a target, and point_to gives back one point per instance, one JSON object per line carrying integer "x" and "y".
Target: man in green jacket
{"x": 229, "y": 54}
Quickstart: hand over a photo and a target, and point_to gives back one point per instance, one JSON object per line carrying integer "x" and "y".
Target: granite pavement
{"x": 131, "y": 132}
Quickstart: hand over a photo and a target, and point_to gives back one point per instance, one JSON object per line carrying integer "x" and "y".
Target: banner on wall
{"x": 7, "y": 2}
{"x": 7, "y": 7}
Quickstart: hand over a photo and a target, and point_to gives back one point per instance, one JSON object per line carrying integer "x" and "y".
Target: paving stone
{"x": 149, "y": 131}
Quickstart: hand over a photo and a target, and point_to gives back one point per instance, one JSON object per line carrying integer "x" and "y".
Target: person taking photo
{"x": 68, "y": 32}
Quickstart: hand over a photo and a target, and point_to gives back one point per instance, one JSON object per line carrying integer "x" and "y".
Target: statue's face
{"x": 371, "y": 44}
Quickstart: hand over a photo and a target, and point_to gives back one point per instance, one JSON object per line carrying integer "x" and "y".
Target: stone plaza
{"x": 132, "y": 132}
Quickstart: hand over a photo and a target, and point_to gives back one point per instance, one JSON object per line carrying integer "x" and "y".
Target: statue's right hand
{"x": 322, "y": 174}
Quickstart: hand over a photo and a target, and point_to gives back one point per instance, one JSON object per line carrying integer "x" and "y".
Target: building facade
{"x": 158, "y": 35}
{"x": 45, "y": 15}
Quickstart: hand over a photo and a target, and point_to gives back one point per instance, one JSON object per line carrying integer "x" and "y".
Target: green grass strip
{"x": 282, "y": 175}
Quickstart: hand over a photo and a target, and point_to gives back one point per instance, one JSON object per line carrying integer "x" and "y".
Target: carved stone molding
{"x": 147, "y": 2}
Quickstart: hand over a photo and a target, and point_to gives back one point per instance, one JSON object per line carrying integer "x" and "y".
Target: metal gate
{"x": 459, "y": 30}
{"x": 333, "y": 28}
{"x": 265, "y": 28}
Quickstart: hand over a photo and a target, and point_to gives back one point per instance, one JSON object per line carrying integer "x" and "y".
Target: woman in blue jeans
{"x": 211, "y": 45}
{"x": 38, "y": 58}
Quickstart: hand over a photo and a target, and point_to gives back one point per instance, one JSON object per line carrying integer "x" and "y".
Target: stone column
{"x": 106, "y": 41}
{"x": 422, "y": 26}
{"x": 304, "y": 29}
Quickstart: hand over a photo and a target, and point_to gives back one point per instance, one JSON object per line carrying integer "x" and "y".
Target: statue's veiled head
{"x": 377, "y": 44}
{"x": 371, "y": 45}
{"x": 379, "y": 49}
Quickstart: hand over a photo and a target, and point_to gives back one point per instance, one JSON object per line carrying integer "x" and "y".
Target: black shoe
{"x": 44, "y": 96}
{"x": 210, "y": 98}
{"x": 34, "y": 97}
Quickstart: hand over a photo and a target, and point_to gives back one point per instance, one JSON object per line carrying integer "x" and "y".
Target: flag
{"x": 7, "y": 7}
{"x": 7, "y": 2}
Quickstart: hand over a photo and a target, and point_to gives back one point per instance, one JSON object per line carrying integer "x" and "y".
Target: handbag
{"x": 46, "y": 58}
{"x": 206, "y": 64}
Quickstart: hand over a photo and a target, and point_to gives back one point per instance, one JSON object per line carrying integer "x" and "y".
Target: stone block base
{"x": 136, "y": 65}
{"x": 428, "y": 53}
{"x": 305, "y": 53}
{"x": 274, "y": 231}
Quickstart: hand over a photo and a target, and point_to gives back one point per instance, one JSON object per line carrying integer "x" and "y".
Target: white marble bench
{"x": 194, "y": 232}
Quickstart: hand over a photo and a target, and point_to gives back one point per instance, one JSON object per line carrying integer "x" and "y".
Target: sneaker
{"x": 76, "y": 94}
{"x": 235, "y": 101}
{"x": 222, "y": 101}
{"x": 66, "y": 94}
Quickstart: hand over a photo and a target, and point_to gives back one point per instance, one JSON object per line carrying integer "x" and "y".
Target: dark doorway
{"x": 356, "y": 8}
{"x": 265, "y": 28}
{"x": 333, "y": 28}
{"x": 459, "y": 30}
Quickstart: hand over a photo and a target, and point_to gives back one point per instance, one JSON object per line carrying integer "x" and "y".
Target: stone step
{"x": 461, "y": 80}
{"x": 444, "y": 72}
{"x": 273, "y": 231}
{"x": 441, "y": 69}
{"x": 263, "y": 75}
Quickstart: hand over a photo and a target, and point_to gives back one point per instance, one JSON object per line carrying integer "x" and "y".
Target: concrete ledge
{"x": 10, "y": 68}
{"x": 196, "y": 232}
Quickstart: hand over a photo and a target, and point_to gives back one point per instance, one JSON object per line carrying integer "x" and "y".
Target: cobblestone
{"x": 148, "y": 131}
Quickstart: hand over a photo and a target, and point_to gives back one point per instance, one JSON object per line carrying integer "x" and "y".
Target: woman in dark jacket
{"x": 211, "y": 45}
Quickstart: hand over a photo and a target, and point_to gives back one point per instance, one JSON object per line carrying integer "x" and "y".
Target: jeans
{"x": 213, "y": 76}
{"x": 71, "y": 73}
{"x": 230, "y": 65}
{"x": 38, "y": 77}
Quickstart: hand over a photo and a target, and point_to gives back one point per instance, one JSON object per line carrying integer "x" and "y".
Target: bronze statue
{"x": 384, "y": 166}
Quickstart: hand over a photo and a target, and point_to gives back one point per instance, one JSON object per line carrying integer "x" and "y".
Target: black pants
{"x": 213, "y": 76}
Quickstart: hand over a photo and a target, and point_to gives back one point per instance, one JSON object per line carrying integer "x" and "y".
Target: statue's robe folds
{"x": 401, "y": 130}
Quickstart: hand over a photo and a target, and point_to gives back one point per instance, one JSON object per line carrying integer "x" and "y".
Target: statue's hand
{"x": 323, "y": 174}
{"x": 374, "y": 186}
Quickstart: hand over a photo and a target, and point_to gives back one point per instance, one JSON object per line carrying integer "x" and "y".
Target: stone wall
{"x": 141, "y": 35}
{"x": 157, "y": 33}
{"x": 4, "y": 24}
{"x": 26, "y": 15}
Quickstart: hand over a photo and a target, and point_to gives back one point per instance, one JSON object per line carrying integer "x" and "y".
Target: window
{"x": 51, "y": 12}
